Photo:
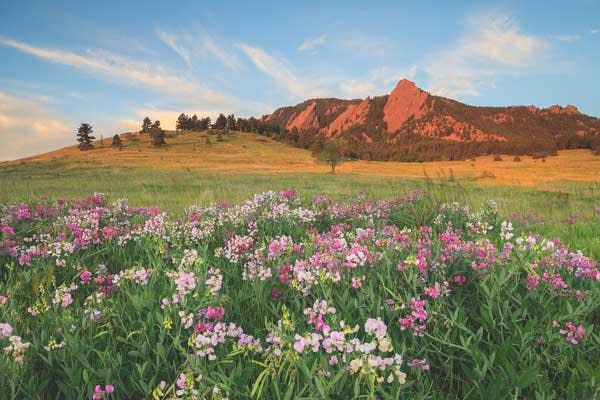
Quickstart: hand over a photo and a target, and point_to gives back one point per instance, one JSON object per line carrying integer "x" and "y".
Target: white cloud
{"x": 595, "y": 31}
{"x": 29, "y": 128}
{"x": 310, "y": 44}
{"x": 201, "y": 46}
{"x": 171, "y": 41}
{"x": 280, "y": 73}
{"x": 211, "y": 46}
{"x": 491, "y": 46}
{"x": 566, "y": 38}
{"x": 114, "y": 67}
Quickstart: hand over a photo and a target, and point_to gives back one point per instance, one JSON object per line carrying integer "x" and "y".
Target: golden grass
{"x": 251, "y": 153}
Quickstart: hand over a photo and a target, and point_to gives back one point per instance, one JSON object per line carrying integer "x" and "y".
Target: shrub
{"x": 497, "y": 158}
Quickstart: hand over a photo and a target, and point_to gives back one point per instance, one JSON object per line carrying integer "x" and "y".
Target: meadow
{"x": 468, "y": 279}
{"x": 192, "y": 171}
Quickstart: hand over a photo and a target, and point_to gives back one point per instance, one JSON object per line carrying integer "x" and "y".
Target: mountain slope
{"x": 411, "y": 124}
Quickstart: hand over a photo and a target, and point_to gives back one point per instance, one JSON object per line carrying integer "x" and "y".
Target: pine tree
{"x": 116, "y": 142}
{"x": 220, "y": 123}
{"x": 156, "y": 124}
{"x": 194, "y": 123}
{"x": 84, "y": 137}
{"x": 146, "y": 125}
{"x": 231, "y": 123}
{"x": 205, "y": 124}
{"x": 158, "y": 136}
{"x": 182, "y": 122}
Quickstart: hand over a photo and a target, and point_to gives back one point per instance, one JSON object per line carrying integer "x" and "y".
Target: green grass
{"x": 177, "y": 189}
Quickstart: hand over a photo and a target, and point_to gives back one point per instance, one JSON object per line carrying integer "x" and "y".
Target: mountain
{"x": 410, "y": 124}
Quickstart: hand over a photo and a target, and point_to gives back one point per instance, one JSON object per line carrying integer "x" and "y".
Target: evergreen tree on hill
{"x": 182, "y": 122}
{"x": 146, "y": 125}
{"x": 84, "y": 137}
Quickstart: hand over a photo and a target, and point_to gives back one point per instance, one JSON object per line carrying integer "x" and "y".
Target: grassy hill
{"x": 192, "y": 171}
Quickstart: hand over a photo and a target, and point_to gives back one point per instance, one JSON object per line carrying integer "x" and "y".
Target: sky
{"x": 110, "y": 63}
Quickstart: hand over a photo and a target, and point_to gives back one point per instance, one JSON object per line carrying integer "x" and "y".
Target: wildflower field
{"x": 282, "y": 298}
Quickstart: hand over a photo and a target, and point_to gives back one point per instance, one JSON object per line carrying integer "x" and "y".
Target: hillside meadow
{"x": 195, "y": 168}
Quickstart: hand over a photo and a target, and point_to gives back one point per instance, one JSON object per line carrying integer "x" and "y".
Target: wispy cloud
{"x": 117, "y": 68}
{"x": 200, "y": 46}
{"x": 491, "y": 46}
{"x": 595, "y": 31}
{"x": 279, "y": 71}
{"x": 566, "y": 38}
{"x": 28, "y": 128}
{"x": 172, "y": 41}
{"x": 310, "y": 44}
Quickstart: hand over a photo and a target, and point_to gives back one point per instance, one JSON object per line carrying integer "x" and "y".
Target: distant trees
{"x": 84, "y": 137}
{"x": 116, "y": 142}
{"x": 231, "y": 123}
{"x": 155, "y": 125}
{"x": 193, "y": 123}
{"x": 221, "y": 122}
{"x": 146, "y": 125}
{"x": 333, "y": 153}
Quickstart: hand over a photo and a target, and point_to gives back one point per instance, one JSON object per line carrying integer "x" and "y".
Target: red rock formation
{"x": 307, "y": 119}
{"x": 406, "y": 100}
{"x": 454, "y": 130}
{"x": 353, "y": 115}
{"x": 569, "y": 109}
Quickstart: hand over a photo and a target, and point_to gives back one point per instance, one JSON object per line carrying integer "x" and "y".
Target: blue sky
{"x": 110, "y": 63}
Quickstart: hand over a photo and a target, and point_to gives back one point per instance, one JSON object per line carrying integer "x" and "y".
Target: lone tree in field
{"x": 84, "y": 137}
{"x": 158, "y": 136}
{"x": 116, "y": 142}
{"x": 146, "y": 125}
{"x": 333, "y": 153}
{"x": 220, "y": 123}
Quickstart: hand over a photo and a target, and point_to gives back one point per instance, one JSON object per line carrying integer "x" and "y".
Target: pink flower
{"x": 275, "y": 294}
{"x": 99, "y": 392}
{"x": 215, "y": 313}
{"x": 532, "y": 281}
{"x": 85, "y": 276}
{"x": 5, "y": 330}
{"x": 571, "y": 332}
{"x": 459, "y": 280}
{"x": 433, "y": 292}
{"x": 421, "y": 364}
{"x": 180, "y": 381}
{"x": 284, "y": 274}
{"x": 3, "y": 300}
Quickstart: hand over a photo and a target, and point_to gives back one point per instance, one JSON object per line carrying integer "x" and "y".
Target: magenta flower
{"x": 100, "y": 393}
{"x": 85, "y": 276}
